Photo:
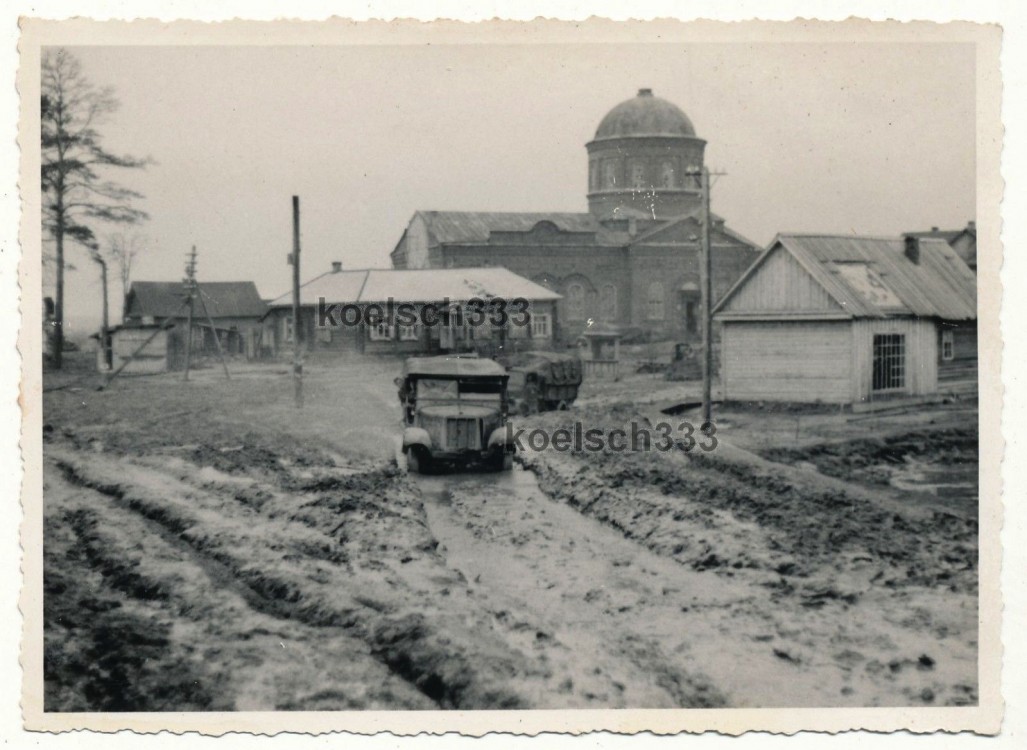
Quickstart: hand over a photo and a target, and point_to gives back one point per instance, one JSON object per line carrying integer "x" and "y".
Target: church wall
{"x": 558, "y": 268}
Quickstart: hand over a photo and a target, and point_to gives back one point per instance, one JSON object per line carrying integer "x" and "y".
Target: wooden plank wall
{"x": 787, "y": 361}
{"x": 921, "y": 354}
{"x": 781, "y": 285}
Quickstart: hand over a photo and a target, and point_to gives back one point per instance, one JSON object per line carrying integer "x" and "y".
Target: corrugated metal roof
{"x": 940, "y": 285}
{"x": 224, "y": 299}
{"x": 420, "y": 285}
{"x": 475, "y": 226}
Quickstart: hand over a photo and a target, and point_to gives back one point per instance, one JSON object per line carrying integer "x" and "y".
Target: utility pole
{"x": 706, "y": 284}
{"x": 190, "y": 292}
{"x": 297, "y": 354}
{"x": 706, "y": 290}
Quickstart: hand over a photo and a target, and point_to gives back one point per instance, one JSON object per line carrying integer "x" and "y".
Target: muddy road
{"x": 269, "y": 560}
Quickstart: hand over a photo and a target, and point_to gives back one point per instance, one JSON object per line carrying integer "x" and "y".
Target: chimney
{"x": 913, "y": 249}
{"x": 972, "y": 226}
{"x": 645, "y": 92}
{"x": 934, "y": 229}
{"x": 336, "y": 266}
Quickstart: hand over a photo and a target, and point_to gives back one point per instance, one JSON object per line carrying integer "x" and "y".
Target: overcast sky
{"x": 837, "y": 138}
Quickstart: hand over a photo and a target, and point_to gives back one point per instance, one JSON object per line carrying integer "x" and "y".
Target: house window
{"x": 287, "y": 330}
{"x": 576, "y": 302}
{"x": 381, "y": 331}
{"x": 608, "y": 301}
{"x": 411, "y": 332}
{"x": 655, "y": 301}
{"x": 541, "y": 327}
{"x": 948, "y": 346}
{"x": 889, "y": 366}
{"x": 667, "y": 174}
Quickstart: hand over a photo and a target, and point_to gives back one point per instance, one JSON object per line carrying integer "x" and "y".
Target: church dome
{"x": 645, "y": 115}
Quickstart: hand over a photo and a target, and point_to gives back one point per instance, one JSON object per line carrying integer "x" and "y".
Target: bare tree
{"x": 75, "y": 193}
{"x": 122, "y": 251}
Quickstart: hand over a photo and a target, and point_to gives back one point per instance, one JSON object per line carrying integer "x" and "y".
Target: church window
{"x": 655, "y": 301}
{"x": 610, "y": 174}
{"x": 608, "y": 301}
{"x": 667, "y": 174}
{"x": 576, "y": 302}
{"x": 638, "y": 175}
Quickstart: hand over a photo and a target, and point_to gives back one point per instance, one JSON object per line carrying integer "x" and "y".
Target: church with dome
{"x": 632, "y": 259}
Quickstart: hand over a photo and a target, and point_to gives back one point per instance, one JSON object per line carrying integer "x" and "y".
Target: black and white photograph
{"x": 461, "y": 374}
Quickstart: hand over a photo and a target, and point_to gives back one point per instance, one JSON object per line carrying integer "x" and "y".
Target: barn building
{"x": 847, "y": 320}
{"x": 631, "y": 260}
{"x": 336, "y": 316}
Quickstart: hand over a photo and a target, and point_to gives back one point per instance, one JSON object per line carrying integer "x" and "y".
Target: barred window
{"x": 889, "y": 366}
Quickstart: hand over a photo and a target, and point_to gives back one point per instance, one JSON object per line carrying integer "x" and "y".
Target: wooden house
{"x": 843, "y": 319}
{"x": 235, "y": 312}
{"x": 338, "y": 310}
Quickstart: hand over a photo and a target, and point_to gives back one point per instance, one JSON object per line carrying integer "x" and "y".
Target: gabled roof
{"x": 420, "y": 285}
{"x": 475, "y": 226}
{"x": 940, "y": 285}
{"x": 224, "y": 299}
{"x": 718, "y": 226}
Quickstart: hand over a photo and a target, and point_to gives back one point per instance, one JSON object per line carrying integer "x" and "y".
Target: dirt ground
{"x": 209, "y": 547}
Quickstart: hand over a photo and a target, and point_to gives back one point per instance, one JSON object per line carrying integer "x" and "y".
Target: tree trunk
{"x": 105, "y": 336}
{"x": 57, "y": 355}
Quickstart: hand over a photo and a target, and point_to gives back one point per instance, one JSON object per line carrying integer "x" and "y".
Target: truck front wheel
{"x": 418, "y": 460}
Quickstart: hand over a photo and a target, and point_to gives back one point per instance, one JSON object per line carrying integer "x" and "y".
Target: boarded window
{"x": 638, "y": 175}
{"x": 948, "y": 346}
{"x": 575, "y": 301}
{"x": 609, "y": 174}
{"x": 654, "y": 311}
{"x": 608, "y": 301}
{"x": 889, "y": 362}
{"x": 667, "y": 174}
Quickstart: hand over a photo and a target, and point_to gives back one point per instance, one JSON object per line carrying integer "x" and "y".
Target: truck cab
{"x": 455, "y": 413}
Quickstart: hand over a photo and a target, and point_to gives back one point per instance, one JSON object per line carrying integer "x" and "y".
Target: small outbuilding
{"x": 847, "y": 320}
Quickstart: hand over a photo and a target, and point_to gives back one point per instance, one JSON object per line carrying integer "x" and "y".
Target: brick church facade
{"x": 632, "y": 259}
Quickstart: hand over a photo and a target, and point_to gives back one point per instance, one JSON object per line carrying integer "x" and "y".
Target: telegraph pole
{"x": 706, "y": 284}
{"x": 706, "y": 290}
{"x": 190, "y": 291}
{"x": 297, "y": 355}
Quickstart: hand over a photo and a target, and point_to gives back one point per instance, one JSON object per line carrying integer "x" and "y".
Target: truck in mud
{"x": 541, "y": 381}
{"x": 455, "y": 413}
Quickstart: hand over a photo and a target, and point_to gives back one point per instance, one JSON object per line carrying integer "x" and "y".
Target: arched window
{"x": 667, "y": 174}
{"x": 608, "y": 302}
{"x": 638, "y": 175}
{"x": 609, "y": 174}
{"x": 655, "y": 301}
{"x": 575, "y": 301}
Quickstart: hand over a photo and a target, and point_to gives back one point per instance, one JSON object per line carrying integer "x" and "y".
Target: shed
{"x": 846, "y": 319}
